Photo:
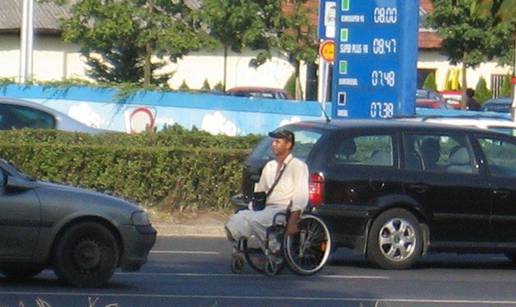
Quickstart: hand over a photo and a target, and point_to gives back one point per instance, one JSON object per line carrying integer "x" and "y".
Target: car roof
{"x": 357, "y": 124}
{"x": 499, "y": 100}
{"x": 68, "y": 123}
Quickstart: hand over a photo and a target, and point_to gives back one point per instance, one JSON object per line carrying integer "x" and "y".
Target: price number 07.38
{"x": 381, "y": 109}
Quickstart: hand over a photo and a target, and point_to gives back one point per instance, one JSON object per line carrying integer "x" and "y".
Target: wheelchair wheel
{"x": 254, "y": 257}
{"x": 272, "y": 268}
{"x": 237, "y": 264}
{"x": 306, "y": 252}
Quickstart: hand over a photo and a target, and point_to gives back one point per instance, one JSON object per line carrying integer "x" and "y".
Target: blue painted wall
{"x": 102, "y": 108}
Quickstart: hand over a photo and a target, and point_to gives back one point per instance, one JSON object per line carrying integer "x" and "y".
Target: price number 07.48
{"x": 383, "y": 78}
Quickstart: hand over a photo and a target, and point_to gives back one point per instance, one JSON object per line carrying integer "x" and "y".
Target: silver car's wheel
{"x": 395, "y": 239}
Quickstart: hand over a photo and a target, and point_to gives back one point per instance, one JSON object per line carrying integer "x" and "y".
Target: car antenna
{"x": 328, "y": 119}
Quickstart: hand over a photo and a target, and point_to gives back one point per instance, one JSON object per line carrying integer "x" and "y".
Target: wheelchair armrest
{"x": 284, "y": 214}
{"x": 240, "y": 202}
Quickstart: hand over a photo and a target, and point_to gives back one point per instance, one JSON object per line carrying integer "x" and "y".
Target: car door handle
{"x": 502, "y": 193}
{"x": 419, "y": 187}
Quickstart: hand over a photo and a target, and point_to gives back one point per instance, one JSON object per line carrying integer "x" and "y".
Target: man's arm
{"x": 300, "y": 198}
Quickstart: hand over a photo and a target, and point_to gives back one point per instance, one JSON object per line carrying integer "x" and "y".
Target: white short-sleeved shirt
{"x": 292, "y": 186}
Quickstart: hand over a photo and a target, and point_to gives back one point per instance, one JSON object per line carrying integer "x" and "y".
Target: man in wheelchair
{"x": 284, "y": 181}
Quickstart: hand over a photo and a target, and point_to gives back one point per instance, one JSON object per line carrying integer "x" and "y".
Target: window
{"x": 18, "y": 117}
{"x": 500, "y": 155}
{"x": 305, "y": 141}
{"x": 368, "y": 150}
{"x": 439, "y": 153}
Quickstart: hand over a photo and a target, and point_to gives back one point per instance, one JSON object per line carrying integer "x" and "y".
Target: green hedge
{"x": 174, "y": 136}
{"x": 172, "y": 178}
{"x": 198, "y": 171}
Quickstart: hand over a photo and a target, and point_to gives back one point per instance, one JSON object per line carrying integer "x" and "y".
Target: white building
{"x": 54, "y": 59}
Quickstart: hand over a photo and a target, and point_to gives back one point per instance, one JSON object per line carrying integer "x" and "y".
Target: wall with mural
{"x": 217, "y": 114}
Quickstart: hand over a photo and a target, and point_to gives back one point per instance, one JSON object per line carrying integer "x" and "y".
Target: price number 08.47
{"x": 381, "y": 109}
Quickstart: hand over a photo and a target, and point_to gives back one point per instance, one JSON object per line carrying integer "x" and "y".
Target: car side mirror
{"x": 15, "y": 183}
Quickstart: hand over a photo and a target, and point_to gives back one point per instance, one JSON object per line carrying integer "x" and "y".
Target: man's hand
{"x": 292, "y": 227}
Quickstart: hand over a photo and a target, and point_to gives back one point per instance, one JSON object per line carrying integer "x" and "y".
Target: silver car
{"x": 18, "y": 114}
{"x": 82, "y": 234}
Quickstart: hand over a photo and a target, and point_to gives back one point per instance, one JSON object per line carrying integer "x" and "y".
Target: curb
{"x": 166, "y": 230}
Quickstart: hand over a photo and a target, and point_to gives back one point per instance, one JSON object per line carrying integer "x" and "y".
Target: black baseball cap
{"x": 283, "y": 134}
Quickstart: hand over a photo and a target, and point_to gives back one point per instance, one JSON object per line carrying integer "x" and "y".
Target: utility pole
{"x": 26, "y": 39}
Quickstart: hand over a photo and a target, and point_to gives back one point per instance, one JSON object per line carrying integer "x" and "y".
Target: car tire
{"x": 16, "y": 272}
{"x": 395, "y": 240}
{"x": 512, "y": 257}
{"x": 86, "y": 255}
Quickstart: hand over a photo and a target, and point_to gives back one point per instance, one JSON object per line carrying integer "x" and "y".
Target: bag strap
{"x": 277, "y": 180}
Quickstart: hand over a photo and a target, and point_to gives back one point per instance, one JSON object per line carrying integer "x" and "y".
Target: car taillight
{"x": 316, "y": 189}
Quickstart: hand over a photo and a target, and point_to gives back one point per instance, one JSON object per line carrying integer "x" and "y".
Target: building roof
{"x": 47, "y": 18}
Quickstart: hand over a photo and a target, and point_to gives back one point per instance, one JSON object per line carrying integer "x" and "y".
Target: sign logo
{"x": 327, "y": 50}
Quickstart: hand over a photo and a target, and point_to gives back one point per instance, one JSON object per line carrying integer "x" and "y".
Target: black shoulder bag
{"x": 259, "y": 198}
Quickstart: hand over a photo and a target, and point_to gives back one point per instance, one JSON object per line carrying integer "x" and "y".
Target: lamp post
{"x": 26, "y": 38}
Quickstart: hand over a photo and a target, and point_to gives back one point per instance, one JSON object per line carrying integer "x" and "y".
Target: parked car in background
{"x": 502, "y": 124}
{"x": 83, "y": 235}
{"x": 259, "y": 92}
{"x": 451, "y": 103}
{"x": 18, "y": 114}
{"x": 394, "y": 190}
{"x": 500, "y": 104}
{"x": 431, "y": 104}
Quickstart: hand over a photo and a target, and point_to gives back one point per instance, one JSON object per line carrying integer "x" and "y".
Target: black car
{"x": 394, "y": 190}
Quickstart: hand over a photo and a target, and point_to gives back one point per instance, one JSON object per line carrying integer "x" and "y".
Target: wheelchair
{"x": 305, "y": 253}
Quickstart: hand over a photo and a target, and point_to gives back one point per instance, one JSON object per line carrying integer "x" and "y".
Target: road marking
{"x": 184, "y": 252}
{"x": 248, "y": 275}
{"x": 261, "y": 298}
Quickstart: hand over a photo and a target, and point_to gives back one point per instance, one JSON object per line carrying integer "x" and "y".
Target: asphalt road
{"x": 195, "y": 272}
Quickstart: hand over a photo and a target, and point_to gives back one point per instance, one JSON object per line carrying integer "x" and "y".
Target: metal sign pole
{"x": 26, "y": 39}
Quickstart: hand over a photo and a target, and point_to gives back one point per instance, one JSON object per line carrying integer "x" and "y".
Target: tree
{"x": 119, "y": 37}
{"x": 234, "y": 24}
{"x": 473, "y": 31}
{"x": 288, "y": 28}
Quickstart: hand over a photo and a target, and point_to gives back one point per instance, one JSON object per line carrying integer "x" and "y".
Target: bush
{"x": 429, "y": 83}
{"x": 184, "y": 86}
{"x": 171, "y": 178}
{"x": 206, "y": 85}
{"x": 290, "y": 86}
{"x": 482, "y": 93}
{"x": 219, "y": 87}
{"x": 172, "y": 169}
{"x": 506, "y": 89}
{"x": 170, "y": 136}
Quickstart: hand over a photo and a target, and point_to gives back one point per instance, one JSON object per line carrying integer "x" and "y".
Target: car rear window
{"x": 367, "y": 150}
{"x": 305, "y": 141}
{"x": 439, "y": 153}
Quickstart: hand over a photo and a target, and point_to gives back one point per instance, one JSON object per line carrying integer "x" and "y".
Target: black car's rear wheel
{"x": 86, "y": 255}
{"x": 395, "y": 240}
{"x": 20, "y": 271}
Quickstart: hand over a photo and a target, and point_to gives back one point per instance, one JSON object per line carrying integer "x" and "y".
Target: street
{"x": 190, "y": 271}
